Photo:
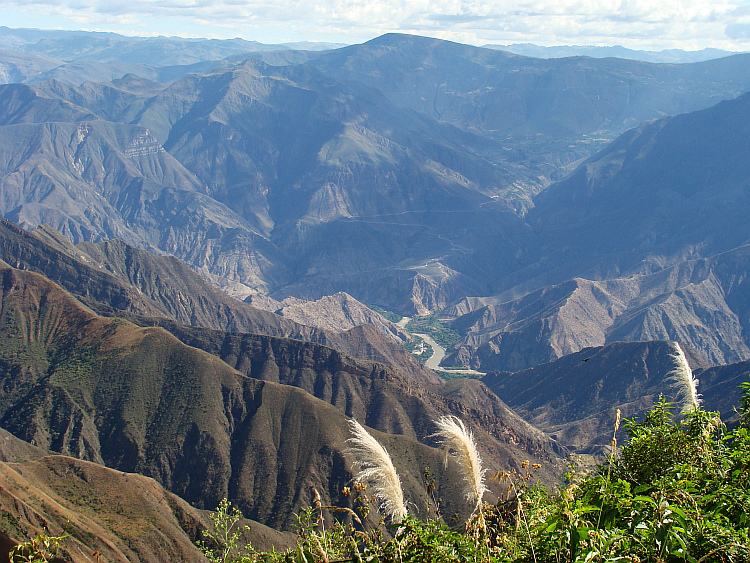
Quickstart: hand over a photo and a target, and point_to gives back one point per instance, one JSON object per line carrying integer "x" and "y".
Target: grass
{"x": 452, "y": 376}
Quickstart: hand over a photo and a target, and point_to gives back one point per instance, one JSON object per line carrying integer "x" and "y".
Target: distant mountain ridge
{"x": 33, "y": 55}
{"x": 251, "y": 173}
{"x": 412, "y": 190}
{"x": 515, "y": 95}
{"x": 156, "y": 51}
{"x": 675, "y": 56}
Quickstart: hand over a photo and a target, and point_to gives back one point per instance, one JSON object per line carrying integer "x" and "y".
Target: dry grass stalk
{"x": 458, "y": 443}
{"x": 377, "y": 472}
{"x": 683, "y": 374}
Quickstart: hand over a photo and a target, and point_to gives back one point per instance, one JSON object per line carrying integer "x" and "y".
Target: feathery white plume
{"x": 376, "y": 471}
{"x": 458, "y": 442}
{"x": 683, "y": 374}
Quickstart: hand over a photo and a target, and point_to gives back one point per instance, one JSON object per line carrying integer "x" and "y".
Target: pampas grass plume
{"x": 376, "y": 472}
{"x": 458, "y": 442}
{"x": 683, "y": 373}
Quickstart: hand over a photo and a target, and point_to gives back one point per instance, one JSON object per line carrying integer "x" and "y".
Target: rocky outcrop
{"x": 337, "y": 313}
{"x": 702, "y": 303}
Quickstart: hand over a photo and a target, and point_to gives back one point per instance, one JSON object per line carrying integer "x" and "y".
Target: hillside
{"x": 575, "y": 398}
{"x": 702, "y": 303}
{"x": 139, "y": 400}
{"x": 663, "y": 192}
{"x": 376, "y": 394}
{"x": 546, "y": 113}
{"x": 337, "y": 313}
{"x": 720, "y": 388}
{"x": 652, "y": 232}
{"x": 124, "y": 516}
{"x": 164, "y": 287}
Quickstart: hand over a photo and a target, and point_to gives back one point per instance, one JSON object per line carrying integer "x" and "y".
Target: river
{"x": 438, "y": 353}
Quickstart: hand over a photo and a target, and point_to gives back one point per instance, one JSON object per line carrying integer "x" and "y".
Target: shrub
{"x": 41, "y": 549}
{"x": 678, "y": 491}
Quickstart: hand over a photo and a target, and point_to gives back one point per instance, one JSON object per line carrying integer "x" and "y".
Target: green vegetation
{"x": 393, "y": 317}
{"x": 222, "y": 544}
{"x": 418, "y": 344}
{"x": 450, "y": 376}
{"x": 41, "y": 549}
{"x": 679, "y": 490}
{"x": 430, "y": 325}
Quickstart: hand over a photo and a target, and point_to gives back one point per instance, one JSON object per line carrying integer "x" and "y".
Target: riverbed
{"x": 438, "y": 353}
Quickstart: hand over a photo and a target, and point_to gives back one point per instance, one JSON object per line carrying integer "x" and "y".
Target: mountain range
{"x": 653, "y": 230}
{"x": 401, "y": 171}
{"x": 116, "y": 279}
{"x": 211, "y": 414}
{"x": 675, "y": 56}
{"x": 190, "y": 238}
{"x": 205, "y": 413}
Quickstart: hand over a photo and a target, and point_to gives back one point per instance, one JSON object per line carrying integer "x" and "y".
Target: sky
{"x": 637, "y": 24}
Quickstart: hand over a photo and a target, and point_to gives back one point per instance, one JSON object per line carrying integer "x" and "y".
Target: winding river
{"x": 438, "y": 353}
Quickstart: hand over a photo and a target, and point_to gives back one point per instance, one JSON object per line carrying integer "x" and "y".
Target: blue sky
{"x": 638, "y": 24}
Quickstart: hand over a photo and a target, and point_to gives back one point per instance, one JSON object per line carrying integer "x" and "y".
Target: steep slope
{"x": 337, "y": 312}
{"x": 14, "y": 450}
{"x": 20, "y": 67}
{"x": 362, "y": 195}
{"x": 137, "y": 399}
{"x": 656, "y": 225}
{"x": 702, "y": 303}
{"x": 575, "y": 398}
{"x": 123, "y": 516}
{"x": 663, "y": 192}
{"x": 94, "y": 180}
{"x": 547, "y": 114}
{"x": 720, "y": 388}
{"x": 187, "y": 298}
{"x": 374, "y": 393}
{"x": 537, "y": 328}
{"x": 52, "y": 255}
{"x": 191, "y": 300}
{"x": 115, "y": 278}
{"x": 282, "y": 161}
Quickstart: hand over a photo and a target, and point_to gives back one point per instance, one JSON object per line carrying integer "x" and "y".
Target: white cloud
{"x": 689, "y": 24}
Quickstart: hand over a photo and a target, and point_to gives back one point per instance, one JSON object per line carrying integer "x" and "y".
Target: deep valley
{"x": 209, "y": 252}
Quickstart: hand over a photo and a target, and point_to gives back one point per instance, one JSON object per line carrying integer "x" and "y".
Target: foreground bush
{"x": 679, "y": 490}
